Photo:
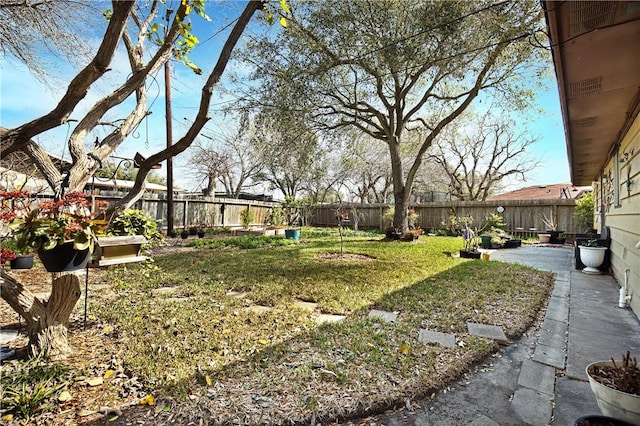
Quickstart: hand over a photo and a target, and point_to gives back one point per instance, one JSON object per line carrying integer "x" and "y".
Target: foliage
{"x": 276, "y": 216}
{"x": 6, "y": 255}
{"x": 136, "y": 222}
{"x": 382, "y": 73}
{"x": 442, "y": 294}
{"x": 455, "y": 225}
{"x": 584, "y": 211}
{"x": 246, "y": 217}
{"x": 49, "y": 223}
{"x": 593, "y": 242}
{"x": 218, "y": 231}
{"x": 297, "y": 211}
{"x": 474, "y": 157}
{"x": 493, "y": 225}
{"x": 26, "y": 390}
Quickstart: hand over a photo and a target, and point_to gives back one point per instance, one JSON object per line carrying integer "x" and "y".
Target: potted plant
{"x": 184, "y": 234}
{"x": 18, "y": 259}
{"x": 193, "y": 230}
{"x": 592, "y": 255}
{"x": 616, "y": 386}
{"x": 59, "y": 231}
{"x": 201, "y": 233}
{"x": 470, "y": 250}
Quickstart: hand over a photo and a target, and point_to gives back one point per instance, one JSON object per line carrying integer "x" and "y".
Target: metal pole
{"x": 167, "y": 92}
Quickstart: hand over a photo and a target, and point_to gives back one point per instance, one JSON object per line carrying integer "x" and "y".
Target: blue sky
{"x": 23, "y": 98}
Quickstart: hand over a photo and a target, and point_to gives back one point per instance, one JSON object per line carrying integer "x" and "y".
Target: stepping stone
{"x": 325, "y": 318}
{"x": 257, "y": 309}
{"x": 178, "y": 299}
{"x": 443, "y": 339}
{"x": 383, "y": 315}
{"x": 162, "y": 291}
{"x": 236, "y": 294}
{"x": 305, "y": 306}
{"x": 7, "y": 335}
{"x": 489, "y": 331}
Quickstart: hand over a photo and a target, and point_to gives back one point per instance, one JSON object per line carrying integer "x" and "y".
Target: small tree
{"x": 584, "y": 211}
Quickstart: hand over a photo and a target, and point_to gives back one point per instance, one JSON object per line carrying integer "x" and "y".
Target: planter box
{"x": 117, "y": 250}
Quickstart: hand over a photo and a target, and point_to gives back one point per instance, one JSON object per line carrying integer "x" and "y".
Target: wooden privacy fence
{"x": 200, "y": 212}
{"x": 523, "y": 217}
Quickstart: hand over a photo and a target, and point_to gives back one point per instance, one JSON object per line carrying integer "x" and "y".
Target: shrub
{"x": 135, "y": 222}
{"x": 584, "y": 212}
{"x": 246, "y": 217}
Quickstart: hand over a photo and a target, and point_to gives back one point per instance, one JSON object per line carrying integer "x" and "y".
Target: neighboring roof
{"x": 595, "y": 47}
{"x": 544, "y": 192}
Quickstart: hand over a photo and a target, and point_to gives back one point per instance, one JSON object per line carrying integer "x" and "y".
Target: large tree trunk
{"x": 46, "y": 320}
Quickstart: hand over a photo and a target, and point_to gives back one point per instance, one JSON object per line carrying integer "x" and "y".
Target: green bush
{"x": 135, "y": 222}
{"x": 584, "y": 212}
{"x": 246, "y": 217}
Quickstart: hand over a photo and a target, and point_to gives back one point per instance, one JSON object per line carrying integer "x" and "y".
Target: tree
{"x": 288, "y": 150}
{"x": 30, "y": 28}
{"x": 177, "y": 43}
{"x": 474, "y": 159}
{"x": 386, "y": 66}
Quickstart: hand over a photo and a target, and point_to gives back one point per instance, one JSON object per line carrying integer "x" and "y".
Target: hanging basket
{"x": 64, "y": 258}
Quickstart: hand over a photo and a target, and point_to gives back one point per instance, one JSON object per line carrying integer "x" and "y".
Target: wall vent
{"x": 585, "y": 16}
{"x": 590, "y": 86}
{"x": 584, "y": 122}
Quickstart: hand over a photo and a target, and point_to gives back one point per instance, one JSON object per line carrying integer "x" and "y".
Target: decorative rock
{"x": 383, "y": 315}
{"x": 164, "y": 291}
{"x": 488, "y": 331}
{"x": 324, "y": 318}
{"x": 444, "y": 339}
{"x": 257, "y": 309}
{"x": 305, "y": 306}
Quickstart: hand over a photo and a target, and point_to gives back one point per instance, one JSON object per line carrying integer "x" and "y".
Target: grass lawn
{"x": 197, "y": 335}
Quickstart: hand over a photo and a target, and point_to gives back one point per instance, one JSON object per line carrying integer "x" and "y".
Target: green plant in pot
{"x": 63, "y": 225}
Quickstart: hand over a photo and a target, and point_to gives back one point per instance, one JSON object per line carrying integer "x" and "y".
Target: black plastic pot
{"x": 63, "y": 258}
{"x": 22, "y": 262}
{"x": 599, "y": 420}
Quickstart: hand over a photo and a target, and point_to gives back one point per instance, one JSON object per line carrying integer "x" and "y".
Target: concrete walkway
{"x": 540, "y": 379}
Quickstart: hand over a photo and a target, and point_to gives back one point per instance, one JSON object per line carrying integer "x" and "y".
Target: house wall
{"x": 620, "y": 204}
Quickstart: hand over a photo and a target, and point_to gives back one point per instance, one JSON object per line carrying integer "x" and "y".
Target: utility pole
{"x": 167, "y": 106}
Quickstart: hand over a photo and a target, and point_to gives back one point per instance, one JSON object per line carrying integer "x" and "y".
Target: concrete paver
{"x": 383, "y": 315}
{"x": 489, "y": 331}
{"x": 445, "y": 339}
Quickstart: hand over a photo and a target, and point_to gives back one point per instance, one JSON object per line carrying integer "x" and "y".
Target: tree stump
{"x": 46, "y": 320}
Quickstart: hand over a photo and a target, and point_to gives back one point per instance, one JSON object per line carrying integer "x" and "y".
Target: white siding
{"x": 623, "y": 220}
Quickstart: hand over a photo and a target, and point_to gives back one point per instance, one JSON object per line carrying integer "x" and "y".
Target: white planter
{"x": 592, "y": 257}
{"x": 613, "y": 403}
